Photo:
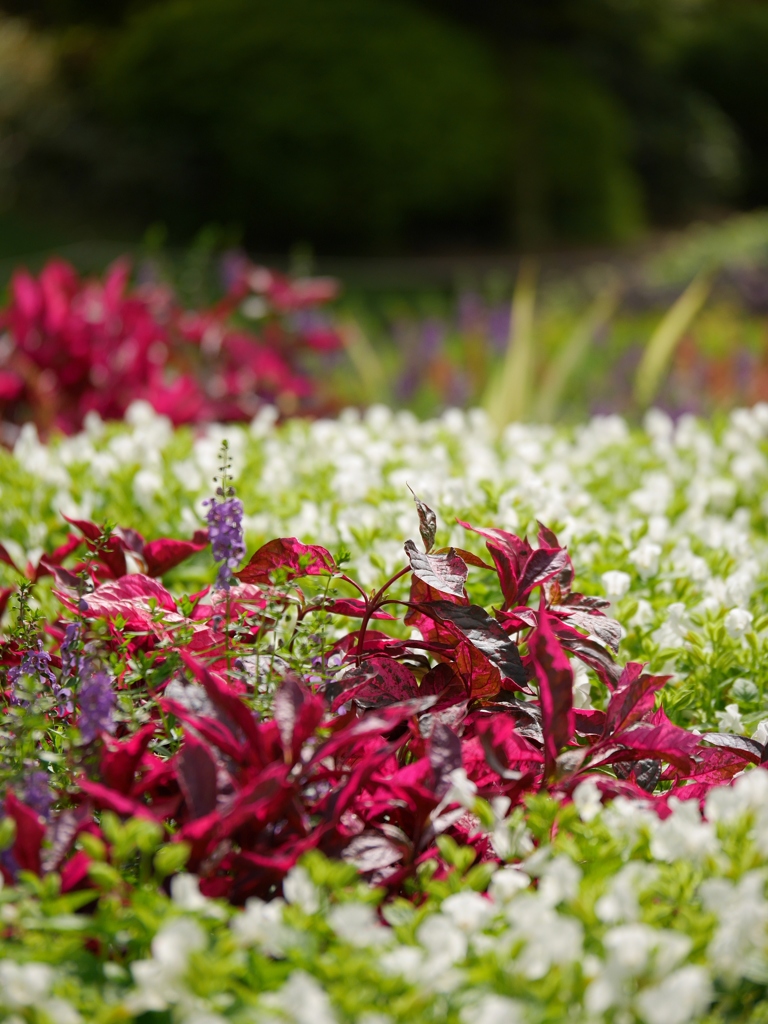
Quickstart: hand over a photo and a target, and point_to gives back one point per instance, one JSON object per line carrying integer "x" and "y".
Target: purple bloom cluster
{"x": 72, "y": 660}
{"x": 97, "y": 702}
{"x": 37, "y": 665}
{"x": 37, "y": 795}
{"x": 225, "y": 526}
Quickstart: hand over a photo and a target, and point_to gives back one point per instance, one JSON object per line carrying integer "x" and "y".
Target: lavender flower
{"x": 97, "y": 702}
{"x": 37, "y": 795}
{"x": 72, "y": 661}
{"x": 37, "y": 665}
{"x": 225, "y": 525}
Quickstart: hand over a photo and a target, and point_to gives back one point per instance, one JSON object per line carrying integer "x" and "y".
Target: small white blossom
{"x": 298, "y": 888}
{"x": 616, "y": 584}
{"x": 730, "y": 720}
{"x": 587, "y": 799}
{"x": 302, "y": 1000}
{"x": 645, "y": 558}
{"x": 468, "y": 910}
{"x": 24, "y": 984}
{"x": 683, "y": 835}
{"x": 357, "y": 924}
{"x": 683, "y": 996}
{"x": 737, "y": 622}
{"x": 493, "y": 1009}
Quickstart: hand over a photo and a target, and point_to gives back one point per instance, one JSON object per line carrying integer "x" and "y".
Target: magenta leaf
{"x": 588, "y": 651}
{"x": 379, "y": 681}
{"x": 129, "y": 597}
{"x": 166, "y": 552}
{"x": 484, "y": 633}
{"x": 371, "y": 851}
{"x": 542, "y": 565}
{"x": 120, "y": 759}
{"x": 509, "y": 554}
{"x": 632, "y": 699}
{"x": 446, "y": 573}
{"x": 30, "y": 832}
{"x": 555, "y": 678}
{"x": 444, "y": 752}
{"x": 751, "y": 749}
{"x": 504, "y": 746}
{"x": 605, "y": 629}
{"x": 297, "y": 713}
{"x": 227, "y": 701}
{"x": 427, "y": 523}
{"x": 196, "y": 771}
{"x": 352, "y": 607}
{"x": 665, "y": 740}
{"x": 289, "y": 555}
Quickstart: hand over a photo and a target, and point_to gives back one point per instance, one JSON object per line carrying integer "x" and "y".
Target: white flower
{"x": 681, "y": 997}
{"x": 493, "y": 1009}
{"x": 616, "y": 584}
{"x": 683, "y": 835}
{"x": 507, "y": 882}
{"x": 549, "y": 938}
{"x": 468, "y": 910}
{"x": 357, "y": 924}
{"x": 737, "y": 622}
{"x": 738, "y": 947}
{"x": 61, "y": 1011}
{"x": 146, "y": 484}
{"x": 761, "y": 732}
{"x": 559, "y": 881}
{"x": 730, "y": 720}
{"x": 261, "y": 924}
{"x": 645, "y": 558}
{"x": 299, "y": 888}
{"x": 445, "y": 944}
{"x": 24, "y": 984}
{"x": 302, "y": 1000}
{"x": 160, "y": 980}
{"x": 620, "y": 901}
{"x": 587, "y": 799}
{"x": 185, "y": 892}
{"x": 463, "y": 791}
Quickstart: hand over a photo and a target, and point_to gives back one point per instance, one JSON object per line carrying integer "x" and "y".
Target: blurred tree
{"x": 726, "y": 57}
{"x": 340, "y": 121}
{"x": 626, "y": 61}
{"x": 403, "y": 123}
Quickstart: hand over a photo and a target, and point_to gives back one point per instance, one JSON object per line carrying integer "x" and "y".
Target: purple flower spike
{"x": 37, "y": 795}
{"x": 97, "y": 702}
{"x": 225, "y": 526}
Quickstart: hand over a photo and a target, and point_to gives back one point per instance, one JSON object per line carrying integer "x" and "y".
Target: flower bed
{"x": 436, "y": 776}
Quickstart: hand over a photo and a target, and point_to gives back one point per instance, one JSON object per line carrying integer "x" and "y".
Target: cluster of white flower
{"x": 675, "y": 919}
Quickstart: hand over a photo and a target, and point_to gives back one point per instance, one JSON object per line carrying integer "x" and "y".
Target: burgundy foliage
{"x": 78, "y": 346}
{"x": 359, "y": 760}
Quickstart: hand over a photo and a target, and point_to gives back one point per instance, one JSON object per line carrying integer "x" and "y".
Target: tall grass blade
{"x": 508, "y": 398}
{"x": 561, "y": 369}
{"x": 365, "y": 360}
{"x": 665, "y": 339}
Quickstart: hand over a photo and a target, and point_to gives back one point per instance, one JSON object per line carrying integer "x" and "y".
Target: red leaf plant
{"x": 372, "y": 753}
{"x": 78, "y": 346}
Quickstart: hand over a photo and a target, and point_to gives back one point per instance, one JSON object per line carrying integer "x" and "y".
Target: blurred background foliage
{"x": 370, "y": 126}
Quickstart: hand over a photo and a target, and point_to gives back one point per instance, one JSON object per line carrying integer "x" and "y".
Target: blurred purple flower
{"x": 97, "y": 702}
{"x": 37, "y": 795}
